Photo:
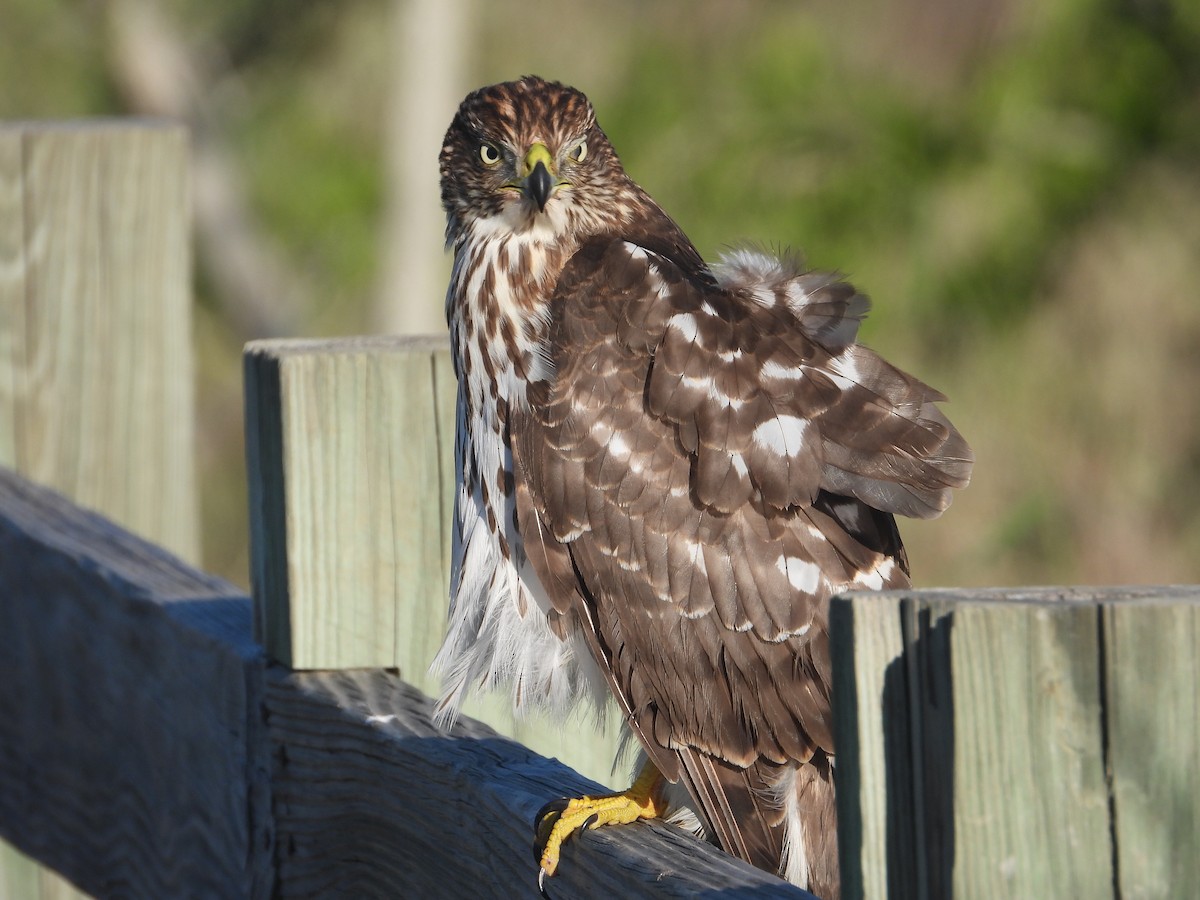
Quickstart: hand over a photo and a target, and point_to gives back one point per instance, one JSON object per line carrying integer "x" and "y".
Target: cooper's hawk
{"x": 665, "y": 470}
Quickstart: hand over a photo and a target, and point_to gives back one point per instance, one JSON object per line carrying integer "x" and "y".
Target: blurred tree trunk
{"x": 159, "y": 75}
{"x": 431, "y": 41}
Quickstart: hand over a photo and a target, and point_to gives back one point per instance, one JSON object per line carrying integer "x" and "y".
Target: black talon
{"x": 543, "y": 824}
{"x": 555, "y": 806}
{"x": 589, "y": 822}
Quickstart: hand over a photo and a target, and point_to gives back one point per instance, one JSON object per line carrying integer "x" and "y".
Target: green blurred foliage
{"x": 308, "y": 130}
{"x": 51, "y": 63}
{"x": 964, "y": 193}
{"x": 1016, "y": 183}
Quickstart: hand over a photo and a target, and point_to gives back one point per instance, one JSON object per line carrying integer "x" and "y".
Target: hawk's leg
{"x": 558, "y": 820}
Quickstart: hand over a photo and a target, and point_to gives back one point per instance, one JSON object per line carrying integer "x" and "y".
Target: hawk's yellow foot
{"x": 559, "y": 819}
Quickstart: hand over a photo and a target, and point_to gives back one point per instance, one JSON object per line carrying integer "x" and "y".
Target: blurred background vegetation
{"x": 1016, "y": 183}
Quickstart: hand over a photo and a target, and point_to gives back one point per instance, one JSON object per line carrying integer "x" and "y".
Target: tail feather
{"x": 781, "y": 818}
{"x": 736, "y": 809}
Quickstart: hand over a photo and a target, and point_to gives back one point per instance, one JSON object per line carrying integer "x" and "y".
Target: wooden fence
{"x": 149, "y": 749}
{"x": 350, "y": 446}
{"x": 162, "y": 734}
{"x": 95, "y": 337}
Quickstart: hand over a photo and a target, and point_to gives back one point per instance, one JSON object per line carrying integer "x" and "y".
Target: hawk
{"x": 665, "y": 469}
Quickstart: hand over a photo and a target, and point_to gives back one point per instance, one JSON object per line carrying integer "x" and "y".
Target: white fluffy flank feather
{"x": 490, "y": 642}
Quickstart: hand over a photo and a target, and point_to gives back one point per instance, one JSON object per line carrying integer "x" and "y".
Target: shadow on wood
{"x": 132, "y": 753}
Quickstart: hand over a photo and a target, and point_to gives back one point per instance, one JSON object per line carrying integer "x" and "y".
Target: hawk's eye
{"x": 489, "y": 154}
{"x": 579, "y": 152}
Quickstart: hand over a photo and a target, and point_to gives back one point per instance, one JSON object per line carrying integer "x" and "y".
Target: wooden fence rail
{"x": 1032, "y": 743}
{"x": 148, "y": 749}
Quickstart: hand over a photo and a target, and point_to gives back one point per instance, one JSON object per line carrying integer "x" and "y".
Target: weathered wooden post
{"x": 95, "y": 320}
{"x": 349, "y": 446}
{"x": 1018, "y": 743}
{"x": 347, "y": 486}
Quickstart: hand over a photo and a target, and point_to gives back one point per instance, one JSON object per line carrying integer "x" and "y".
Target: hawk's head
{"x": 527, "y": 155}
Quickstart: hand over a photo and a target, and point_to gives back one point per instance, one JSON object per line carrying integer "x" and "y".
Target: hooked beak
{"x": 538, "y": 183}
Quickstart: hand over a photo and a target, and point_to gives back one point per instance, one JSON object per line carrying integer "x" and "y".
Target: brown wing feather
{"x": 567, "y": 590}
{"x": 673, "y": 482}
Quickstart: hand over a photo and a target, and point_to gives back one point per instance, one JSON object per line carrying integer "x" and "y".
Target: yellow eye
{"x": 489, "y": 154}
{"x": 579, "y": 152}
